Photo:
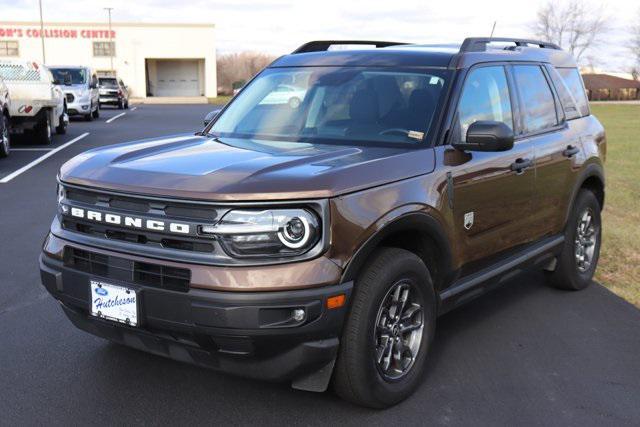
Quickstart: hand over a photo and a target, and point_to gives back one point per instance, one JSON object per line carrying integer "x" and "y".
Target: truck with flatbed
{"x": 38, "y": 106}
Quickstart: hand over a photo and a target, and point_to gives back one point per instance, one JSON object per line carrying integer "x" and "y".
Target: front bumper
{"x": 109, "y": 99}
{"x": 79, "y": 107}
{"x": 244, "y": 333}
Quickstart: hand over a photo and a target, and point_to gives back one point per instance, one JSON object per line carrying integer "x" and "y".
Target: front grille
{"x": 141, "y": 273}
{"x": 167, "y": 211}
{"x": 175, "y": 210}
{"x": 70, "y": 97}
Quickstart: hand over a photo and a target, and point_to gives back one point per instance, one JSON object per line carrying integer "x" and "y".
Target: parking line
{"x": 40, "y": 159}
{"x": 115, "y": 117}
{"x": 31, "y": 149}
{"x": 134, "y": 108}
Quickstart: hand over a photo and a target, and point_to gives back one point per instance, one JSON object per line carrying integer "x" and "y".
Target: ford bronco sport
{"x": 316, "y": 240}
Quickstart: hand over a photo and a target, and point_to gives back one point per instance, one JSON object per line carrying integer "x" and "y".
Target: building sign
{"x": 56, "y": 33}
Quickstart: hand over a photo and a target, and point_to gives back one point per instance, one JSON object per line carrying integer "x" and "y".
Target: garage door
{"x": 177, "y": 78}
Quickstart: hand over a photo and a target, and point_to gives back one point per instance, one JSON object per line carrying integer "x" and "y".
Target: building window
{"x": 9, "y": 48}
{"x": 104, "y": 49}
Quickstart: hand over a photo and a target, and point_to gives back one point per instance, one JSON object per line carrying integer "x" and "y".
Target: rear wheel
{"x": 386, "y": 338}
{"x": 43, "y": 131}
{"x": 5, "y": 138}
{"x": 577, "y": 262}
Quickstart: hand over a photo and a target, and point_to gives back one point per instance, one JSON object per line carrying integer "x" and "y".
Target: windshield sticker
{"x": 415, "y": 134}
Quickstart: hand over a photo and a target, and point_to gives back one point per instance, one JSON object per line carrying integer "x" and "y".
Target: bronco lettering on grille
{"x": 128, "y": 221}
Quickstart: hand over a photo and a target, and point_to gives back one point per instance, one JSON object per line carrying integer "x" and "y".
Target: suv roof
{"x": 392, "y": 54}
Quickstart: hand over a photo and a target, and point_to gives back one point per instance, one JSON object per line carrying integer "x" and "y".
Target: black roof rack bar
{"x": 323, "y": 45}
{"x": 479, "y": 44}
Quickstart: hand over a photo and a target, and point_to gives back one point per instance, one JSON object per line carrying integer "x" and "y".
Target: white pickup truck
{"x": 37, "y": 104}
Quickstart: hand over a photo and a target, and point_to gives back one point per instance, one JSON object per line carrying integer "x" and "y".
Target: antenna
{"x": 493, "y": 28}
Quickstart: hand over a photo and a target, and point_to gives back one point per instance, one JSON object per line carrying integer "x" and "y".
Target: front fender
{"x": 415, "y": 218}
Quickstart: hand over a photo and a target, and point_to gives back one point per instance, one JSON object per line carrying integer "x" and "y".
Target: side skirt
{"x": 538, "y": 254}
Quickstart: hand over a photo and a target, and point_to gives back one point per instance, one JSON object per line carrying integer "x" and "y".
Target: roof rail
{"x": 323, "y": 45}
{"x": 479, "y": 44}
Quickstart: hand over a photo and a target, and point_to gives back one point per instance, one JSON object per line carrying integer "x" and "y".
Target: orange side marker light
{"x": 336, "y": 301}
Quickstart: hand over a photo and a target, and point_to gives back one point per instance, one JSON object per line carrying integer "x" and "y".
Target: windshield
{"x": 70, "y": 76}
{"x": 330, "y": 104}
{"x": 110, "y": 83}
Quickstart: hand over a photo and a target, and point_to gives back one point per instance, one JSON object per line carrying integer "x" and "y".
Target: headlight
{"x": 270, "y": 233}
{"x": 61, "y": 194}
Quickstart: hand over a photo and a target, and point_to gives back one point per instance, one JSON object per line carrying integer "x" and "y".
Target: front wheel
{"x": 5, "y": 137}
{"x": 61, "y": 129}
{"x": 389, "y": 331}
{"x": 89, "y": 116}
{"x": 577, "y": 262}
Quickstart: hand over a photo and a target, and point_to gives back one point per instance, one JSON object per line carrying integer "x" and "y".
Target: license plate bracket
{"x": 114, "y": 302}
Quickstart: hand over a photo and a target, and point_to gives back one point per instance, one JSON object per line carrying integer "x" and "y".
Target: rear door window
{"x": 485, "y": 96}
{"x": 572, "y": 79}
{"x": 538, "y": 105}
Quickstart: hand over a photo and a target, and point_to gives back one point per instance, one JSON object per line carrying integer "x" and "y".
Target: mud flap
{"x": 317, "y": 381}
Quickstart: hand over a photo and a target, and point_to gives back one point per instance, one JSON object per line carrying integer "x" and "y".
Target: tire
{"x": 359, "y": 375}
{"x": 61, "y": 129}
{"x": 126, "y": 105}
{"x": 43, "y": 131}
{"x": 5, "y": 137}
{"x": 89, "y": 117}
{"x": 96, "y": 113}
{"x": 121, "y": 105}
{"x": 579, "y": 257}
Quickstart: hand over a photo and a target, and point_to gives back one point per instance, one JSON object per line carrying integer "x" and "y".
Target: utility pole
{"x": 493, "y": 28}
{"x": 111, "y": 46}
{"x": 44, "y": 58}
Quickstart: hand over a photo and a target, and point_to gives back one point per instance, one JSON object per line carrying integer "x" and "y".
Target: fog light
{"x": 298, "y": 314}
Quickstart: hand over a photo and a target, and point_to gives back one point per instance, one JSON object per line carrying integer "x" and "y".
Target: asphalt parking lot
{"x": 523, "y": 355}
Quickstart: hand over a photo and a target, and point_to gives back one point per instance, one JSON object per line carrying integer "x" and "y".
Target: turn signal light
{"x": 336, "y": 301}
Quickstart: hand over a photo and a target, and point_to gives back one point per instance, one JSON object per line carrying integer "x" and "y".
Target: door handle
{"x": 570, "y": 151}
{"x": 520, "y": 165}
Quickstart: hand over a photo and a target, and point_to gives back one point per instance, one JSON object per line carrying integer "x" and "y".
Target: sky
{"x": 279, "y": 26}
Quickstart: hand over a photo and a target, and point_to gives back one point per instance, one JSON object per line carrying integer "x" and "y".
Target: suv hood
{"x": 199, "y": 167}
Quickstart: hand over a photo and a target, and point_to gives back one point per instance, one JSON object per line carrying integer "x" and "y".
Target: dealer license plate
{"x": 113, "y": 302}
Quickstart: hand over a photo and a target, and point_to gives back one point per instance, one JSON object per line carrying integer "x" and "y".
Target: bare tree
{"x": 573, "y": 25}
{"x": 237, "y": 68}
{"x": 634, "y": 46}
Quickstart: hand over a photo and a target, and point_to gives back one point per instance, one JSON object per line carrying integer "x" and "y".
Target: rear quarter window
{"x": 569, "y": 103}
{"x": 573, "y": 81}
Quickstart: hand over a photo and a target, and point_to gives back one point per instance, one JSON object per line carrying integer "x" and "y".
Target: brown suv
{"x": 319, "y": 224}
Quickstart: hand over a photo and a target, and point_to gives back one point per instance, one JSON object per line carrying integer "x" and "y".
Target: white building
{"x": 151, "y": 59}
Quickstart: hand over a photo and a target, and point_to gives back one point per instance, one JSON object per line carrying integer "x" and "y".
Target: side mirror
{"x": 57, "y": 82}
{"x": 212, "y": 115}
{"x": 485, "y": 135}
